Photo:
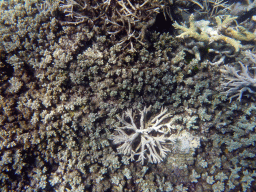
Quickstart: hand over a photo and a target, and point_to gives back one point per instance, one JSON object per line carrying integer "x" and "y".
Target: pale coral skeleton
{"x": 146, "y": 141}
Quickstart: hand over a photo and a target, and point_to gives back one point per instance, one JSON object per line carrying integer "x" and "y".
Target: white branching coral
{"x": 148, "y": 140}
{"x": 237, "y": 83}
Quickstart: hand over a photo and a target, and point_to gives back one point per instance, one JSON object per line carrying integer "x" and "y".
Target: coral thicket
{"x": 77, "y": 78}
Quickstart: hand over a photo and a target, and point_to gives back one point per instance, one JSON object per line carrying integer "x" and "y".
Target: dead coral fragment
{"x": 191, "y": 31}
{"x": 241, "y": 34}
{"x": 146, "y": 141}
{"x": 238, "y": 83}
{"x": 211, "y": 34}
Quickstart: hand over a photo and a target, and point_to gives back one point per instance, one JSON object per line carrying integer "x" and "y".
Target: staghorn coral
{"x": 211, "y": 34}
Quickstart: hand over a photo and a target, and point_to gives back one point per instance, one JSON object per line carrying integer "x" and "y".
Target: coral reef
{"x": 68, "y": 69}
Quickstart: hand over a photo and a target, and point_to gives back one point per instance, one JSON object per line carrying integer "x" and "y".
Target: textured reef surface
{"x": 127, "y": 95}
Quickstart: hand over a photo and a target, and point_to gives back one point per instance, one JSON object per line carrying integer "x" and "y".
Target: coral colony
{"x": 127, "y": 95}
{"x": 148, "y": 144}
{"x": 153, "y": 135}
{"x": 242, "y": 82}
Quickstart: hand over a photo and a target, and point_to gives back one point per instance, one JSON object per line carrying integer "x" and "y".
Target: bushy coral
{"x": 126, "y": 18}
